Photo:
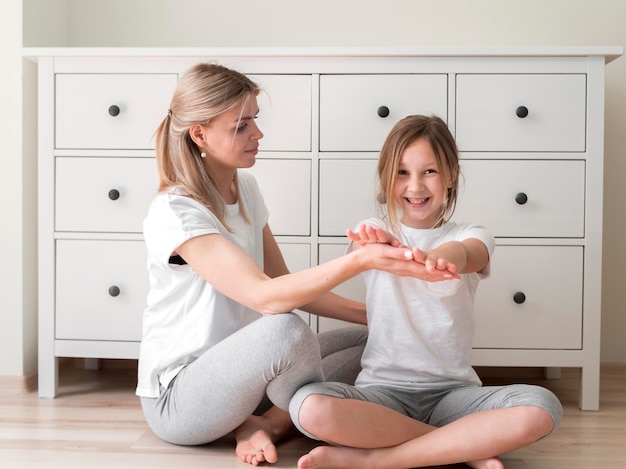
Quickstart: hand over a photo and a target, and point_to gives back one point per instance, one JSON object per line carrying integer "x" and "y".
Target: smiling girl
{"x": 417, "y": 401}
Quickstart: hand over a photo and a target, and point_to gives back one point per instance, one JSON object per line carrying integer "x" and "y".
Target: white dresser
{"x": 529, "y": 125}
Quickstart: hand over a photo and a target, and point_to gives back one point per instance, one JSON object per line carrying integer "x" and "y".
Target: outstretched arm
{"x": 456, "y": 257}
{"x": 232, "y": 272}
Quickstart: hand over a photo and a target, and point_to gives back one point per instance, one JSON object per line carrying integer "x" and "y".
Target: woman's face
{"x": 419, "y": 192}
{"x": 231, "y": 140}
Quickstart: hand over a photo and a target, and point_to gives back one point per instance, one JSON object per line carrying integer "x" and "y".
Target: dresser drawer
{"x": 285, "y": 112}
{"x": 357, "y": 111}
{"x": 538, "y": 198}
{"x": 101, "y": 289}
{"x": 286, "y": 188}
{"x": 347, "y": 194}
{"x": 540, "y": 113}
{"x": 532, "y": 300}
{"x": 103, "y": 194}
{"x": 110, "y": 111}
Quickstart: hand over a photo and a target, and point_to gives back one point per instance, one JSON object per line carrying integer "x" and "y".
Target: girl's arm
{"x": 457, "y": 257}
{"x": 233, "y": 273}
{"x": 327, "y": 304}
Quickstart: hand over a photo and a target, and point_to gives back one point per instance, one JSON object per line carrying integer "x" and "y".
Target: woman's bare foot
{"x": 257, "y": 436}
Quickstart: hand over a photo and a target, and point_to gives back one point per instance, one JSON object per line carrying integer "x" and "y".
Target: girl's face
{"x": 419, "y": 193}
{"x": 231, "y": 140}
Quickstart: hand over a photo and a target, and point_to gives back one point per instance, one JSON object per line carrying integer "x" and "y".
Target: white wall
{"x": 249, "y": 23}
{"x": 16, "y": 212}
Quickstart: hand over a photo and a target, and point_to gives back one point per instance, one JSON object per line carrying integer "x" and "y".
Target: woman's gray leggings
{"x": 269, "y": 359}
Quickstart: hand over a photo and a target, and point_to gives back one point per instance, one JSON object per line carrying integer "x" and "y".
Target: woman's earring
{"x": 203, "y": 155}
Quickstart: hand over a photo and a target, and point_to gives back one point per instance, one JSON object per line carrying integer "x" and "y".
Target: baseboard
{"x": 18, "y": 384}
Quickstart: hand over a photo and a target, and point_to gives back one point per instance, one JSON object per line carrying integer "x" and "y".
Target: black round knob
{"x": 114, "y": 290}
{"x": 519, "y": 297}
{"x": 114, "y": 110}
{"x": 382, "y": 111}
{"x": 114, "y": 194}
{"x": 521, "y": 112}
{"x": 521, "y": 198}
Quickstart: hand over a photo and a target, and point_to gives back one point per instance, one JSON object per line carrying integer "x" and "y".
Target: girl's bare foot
{"x": 330, "y": 457}
{"x": 490, "y": 463}
{"x": 257, "y": 436}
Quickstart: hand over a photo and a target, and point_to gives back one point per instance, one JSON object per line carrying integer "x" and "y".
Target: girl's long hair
{"x": 403, "y": 134}
{"x": 203, "y": 92}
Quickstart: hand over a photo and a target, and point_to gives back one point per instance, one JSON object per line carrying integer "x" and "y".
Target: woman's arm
{"x": 233, "y": 273}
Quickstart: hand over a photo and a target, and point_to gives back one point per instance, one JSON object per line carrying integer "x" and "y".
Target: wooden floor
{"x": 96, "y": 422}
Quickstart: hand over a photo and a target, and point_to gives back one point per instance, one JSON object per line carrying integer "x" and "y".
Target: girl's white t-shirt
{"x": 420, "y": 333}
{"x": 185, "y": 315}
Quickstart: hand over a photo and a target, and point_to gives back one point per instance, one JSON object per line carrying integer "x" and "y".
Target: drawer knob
{"x": 114, "y": 110}
{"x": 114, "y": 290}
{"x": 519, "y": 297}
{"x": 382, "y": 111}
{"x": 114, "y": 194}
{"x": 521, "y": 198}
{"x": 521, "y": 112}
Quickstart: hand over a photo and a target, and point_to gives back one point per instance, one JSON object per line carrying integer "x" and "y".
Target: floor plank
{"x": 96, "y": 422}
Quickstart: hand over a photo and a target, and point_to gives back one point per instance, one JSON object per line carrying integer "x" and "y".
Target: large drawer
{"x": 347, "y": 194}
{"x": 532, "y": 300}
{"x": 103, "y": 194}
{"x": 286, "y": 188}
{"x": 540, "y": 113}
{"x": 357, "y": 111}
{"x": 284, "y": 112}
{"x": 520, "y": 198}
{"x": 101, "y": 289}
{"x": 111, "y": 111}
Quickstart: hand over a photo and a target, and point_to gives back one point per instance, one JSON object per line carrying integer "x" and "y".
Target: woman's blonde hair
{"x": 410, "y": 129}
{"x": 203, "y": 92}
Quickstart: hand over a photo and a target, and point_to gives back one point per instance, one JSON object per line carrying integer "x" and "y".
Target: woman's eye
{"x": 242, "y": 127}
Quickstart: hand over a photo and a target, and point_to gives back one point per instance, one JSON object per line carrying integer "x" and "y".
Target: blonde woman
{"x": 221, "y": 351}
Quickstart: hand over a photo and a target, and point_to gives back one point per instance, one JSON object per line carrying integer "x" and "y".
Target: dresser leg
{"x": 589, "y": 398}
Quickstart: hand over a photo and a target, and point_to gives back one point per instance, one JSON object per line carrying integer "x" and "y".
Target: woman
{"x": 218, "y": 336}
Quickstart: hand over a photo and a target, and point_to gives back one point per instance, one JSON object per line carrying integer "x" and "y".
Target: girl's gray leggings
{"x": 269, "y": 359}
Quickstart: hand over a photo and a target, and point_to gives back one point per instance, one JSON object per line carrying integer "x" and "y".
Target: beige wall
{"x": 211, "y": 23}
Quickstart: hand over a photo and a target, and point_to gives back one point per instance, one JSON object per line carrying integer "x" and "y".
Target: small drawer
{"x": 520, "y": 198}
{"x": 101, "y": 289}
{"x": 347, "y": 194}
{"x": 357, "y": 111}
{"x": 353, "y": 288}
{"x": 525, "y": 305}
{"x": 284, "y": 112}
{"x": 104, "y": 194}
{"x": 540, "y": 113}
{"x": 286, "y": 188}
{"x": 111, "y": 111}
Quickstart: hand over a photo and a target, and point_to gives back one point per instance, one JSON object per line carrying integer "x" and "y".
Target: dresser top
{"x": 609, "y": 52}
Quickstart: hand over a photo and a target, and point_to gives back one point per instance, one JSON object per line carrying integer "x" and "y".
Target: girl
{"x": 417, "y": 401}
{"x": 218, "y": 338}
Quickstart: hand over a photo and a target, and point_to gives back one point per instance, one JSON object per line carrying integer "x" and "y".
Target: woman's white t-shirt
{"x": 185, "y": 315}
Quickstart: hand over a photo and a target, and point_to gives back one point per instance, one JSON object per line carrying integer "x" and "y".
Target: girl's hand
{"x": 436, "y": 268}
{"x": 369, "y": 234}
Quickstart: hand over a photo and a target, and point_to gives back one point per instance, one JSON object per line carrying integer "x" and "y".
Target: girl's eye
{"x": 402, "y": 172}
{"x": 430, "y": 171}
